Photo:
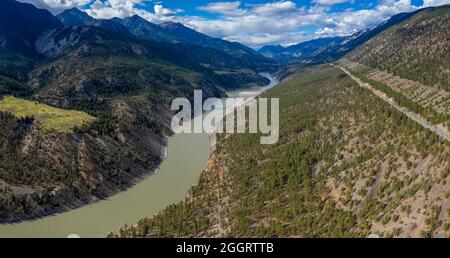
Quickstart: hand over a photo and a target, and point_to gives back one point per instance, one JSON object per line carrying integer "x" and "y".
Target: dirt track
{"x": 415, "y": 117}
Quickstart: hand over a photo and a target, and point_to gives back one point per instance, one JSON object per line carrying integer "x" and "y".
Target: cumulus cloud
{"x": 254, "y": 33}
{"x": 56, "y": 6}
{"x": 224, "y": 8}
{"x": 282, "y": 22}
{"x": 427, "y": 3}
{"x": 161, "y": 11}
{"x": 107, "y": 9}
{"x": 111, "y": 8}
{"x": 331, "y": 2}
{"x": 350, "y": 21}
{"x": 275, "y": 8}
{"x": 261, "y": 39}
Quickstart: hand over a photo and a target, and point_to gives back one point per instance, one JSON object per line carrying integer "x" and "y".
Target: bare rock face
{"x": 55, "y": 42}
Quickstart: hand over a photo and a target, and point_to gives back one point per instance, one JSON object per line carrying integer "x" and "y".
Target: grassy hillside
{"x": 347, "y": 164}
{"x": 416, "y": 49}
{"x": 49, "y": 117}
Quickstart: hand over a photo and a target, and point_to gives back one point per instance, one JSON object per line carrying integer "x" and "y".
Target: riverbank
{"x": 187, "y": 156}
{"x": 247, "y": 94}
{"x": 215, "y": 169}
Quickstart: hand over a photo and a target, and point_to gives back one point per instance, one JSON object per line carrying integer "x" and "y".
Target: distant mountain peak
{"x": 133, "y": 18}
{"x": 136, "y": 17}
{"x": 75, "y": 17}
{"x": 74, "y": 10}
{"x": 145, "y": 30}
{"x": 169, "y": 23}
{"x": 194, "y": 37}
{"x": 173, "y": 25}
{"x": 270, "y": 47}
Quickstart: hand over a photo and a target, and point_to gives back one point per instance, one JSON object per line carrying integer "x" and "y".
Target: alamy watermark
{"x": 211, "y": 114}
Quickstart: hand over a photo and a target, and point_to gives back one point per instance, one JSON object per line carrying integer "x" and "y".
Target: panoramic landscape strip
{"x": 242, "y": 121}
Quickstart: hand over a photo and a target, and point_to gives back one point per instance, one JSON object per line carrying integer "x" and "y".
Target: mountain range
{"x": 169, "y": 32}
{"x": 331, "y": 48}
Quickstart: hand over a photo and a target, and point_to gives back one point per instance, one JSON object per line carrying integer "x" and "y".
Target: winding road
{"x": 415, "y": 117}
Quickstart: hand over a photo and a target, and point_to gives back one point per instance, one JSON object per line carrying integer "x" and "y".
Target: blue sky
{"x": 253, "y": 22}
{"x": 191, "y": 7}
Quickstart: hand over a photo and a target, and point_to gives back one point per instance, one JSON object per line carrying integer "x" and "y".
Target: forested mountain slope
{"x": 302, "y": 51}
{"x": 237, "y": 62}
{"x": 234, "y": 49}
{"x": 20, "y": 26}
{"x": 167, "y": 32}
{"x": 416, "y": 49}
{"x": 410, "y": 63}
{"x": 346, "y": 164}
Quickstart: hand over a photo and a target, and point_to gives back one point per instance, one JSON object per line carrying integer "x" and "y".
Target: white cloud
{"x": 283, "y": 22}
{"x": 110, "y": 9}
{"x": 392, "y": 7}
{"x": 56, "y": 6}
{"x": 351, "y": 21}
{"x": 427, "y": 3}
{"x": 261, "y": 39}
{"x": 161, "y": 11}
{"x": 275, "y": 8}
{"x": 331, "y": 2}
{"x": 126, "y": 8}
{"x": 225, "y": 8}
{"x": 106, "y": 9}
{"x": 325, "y": 32}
